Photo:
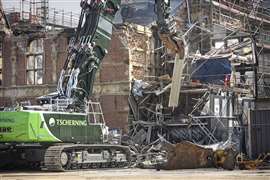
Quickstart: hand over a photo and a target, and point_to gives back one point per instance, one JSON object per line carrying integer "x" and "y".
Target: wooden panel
{"x": 176, "y": 81}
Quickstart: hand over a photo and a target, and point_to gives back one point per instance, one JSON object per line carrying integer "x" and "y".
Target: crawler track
{"x": 68, "y": 157}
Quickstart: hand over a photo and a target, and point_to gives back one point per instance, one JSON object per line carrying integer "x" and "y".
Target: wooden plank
{"x": 176, "y": 81}
{"x": 134, "y": 107}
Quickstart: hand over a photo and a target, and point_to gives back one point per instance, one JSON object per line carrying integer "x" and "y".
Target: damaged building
{"x": 224, "y": 80}
{"x": 212, "y": 89}
{"x": 32, "y": 59}
{"x": 129, "y": 57}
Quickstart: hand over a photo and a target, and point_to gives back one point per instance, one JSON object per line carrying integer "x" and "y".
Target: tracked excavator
{"x": 64, "y": 132}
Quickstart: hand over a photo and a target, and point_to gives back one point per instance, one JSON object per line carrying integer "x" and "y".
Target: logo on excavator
{"x": 5, "y": 130}
{"x": 66, "y": 122}
{"x": 52, "y": 122}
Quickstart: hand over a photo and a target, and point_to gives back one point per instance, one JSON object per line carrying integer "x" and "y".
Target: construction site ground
{"x": 138, "y": 174}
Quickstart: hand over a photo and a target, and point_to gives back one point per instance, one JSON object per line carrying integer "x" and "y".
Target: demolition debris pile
{"x": 203, "y": 106}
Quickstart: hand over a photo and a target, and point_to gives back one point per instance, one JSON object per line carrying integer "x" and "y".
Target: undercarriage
{"x": 64, "y": 157}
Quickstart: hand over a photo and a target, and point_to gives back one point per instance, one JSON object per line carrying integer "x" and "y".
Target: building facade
{"x": 32, "y": 58}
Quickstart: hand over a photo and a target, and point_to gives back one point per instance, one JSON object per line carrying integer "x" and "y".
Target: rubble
{"x": 245, "y": 163}
{"x": 185, "y": 155}
{"x": 204, "y": 118}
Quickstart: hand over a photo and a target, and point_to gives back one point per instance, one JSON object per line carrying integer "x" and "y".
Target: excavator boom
{"x": 167, "y": 27}
{"x": 85, "y": 53}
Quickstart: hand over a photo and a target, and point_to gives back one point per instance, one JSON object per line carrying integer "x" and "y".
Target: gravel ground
{"x": 139, "y": 174}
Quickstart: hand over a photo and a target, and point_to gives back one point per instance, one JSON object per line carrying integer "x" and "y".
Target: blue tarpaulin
{"x": 212, "y": 70}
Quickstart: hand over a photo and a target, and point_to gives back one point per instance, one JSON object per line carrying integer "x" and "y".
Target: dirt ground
{"x": 140, "y": 174}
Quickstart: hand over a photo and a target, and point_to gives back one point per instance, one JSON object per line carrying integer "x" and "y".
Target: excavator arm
{"x": 90, "y": 44}
{"x": 86, "y": 51}
{"x": 167, "y": 27}
{"x": 171, "y": 39}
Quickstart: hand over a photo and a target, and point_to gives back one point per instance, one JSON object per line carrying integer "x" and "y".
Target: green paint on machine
{"x": 49, "y": 127}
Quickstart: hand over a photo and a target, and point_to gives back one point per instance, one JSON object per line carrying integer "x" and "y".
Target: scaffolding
{"x": 247, "y": 18}
{"x": 150, "y": 115}
{"x": 38, "y": 11}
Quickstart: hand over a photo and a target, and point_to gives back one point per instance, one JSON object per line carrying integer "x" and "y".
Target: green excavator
{"x": 64, "y": 131}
